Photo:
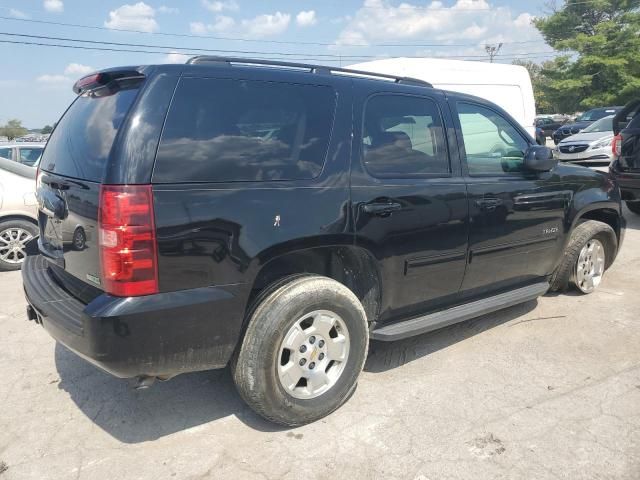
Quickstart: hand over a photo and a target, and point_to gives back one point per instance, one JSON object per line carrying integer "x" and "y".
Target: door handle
{"x": 381, "y": 209}
{"x": 488, "y": 204}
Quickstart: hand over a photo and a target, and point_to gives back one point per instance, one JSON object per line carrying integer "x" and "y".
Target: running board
{"x": 433, "y": 321}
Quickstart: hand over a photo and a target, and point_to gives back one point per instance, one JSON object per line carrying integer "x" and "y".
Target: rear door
{"x": 516, "y": 215}
{"x": 409, "y": 201}
{"x": 71, "y": 170}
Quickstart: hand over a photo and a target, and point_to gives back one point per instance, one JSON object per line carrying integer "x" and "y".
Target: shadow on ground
{"x": 633, "y": 220}
{"x": 189, "y": 400}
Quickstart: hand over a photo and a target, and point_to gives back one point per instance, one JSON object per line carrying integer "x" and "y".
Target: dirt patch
{"x": 486, "y": 446}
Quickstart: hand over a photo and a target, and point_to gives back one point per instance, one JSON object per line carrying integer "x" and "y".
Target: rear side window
{"x": 79, "y": 146}
{"x": 403, "y": 136}
{"x": 29, "y": 156}
{"x": 220, "y": 130}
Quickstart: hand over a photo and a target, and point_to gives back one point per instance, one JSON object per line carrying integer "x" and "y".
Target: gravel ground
{"x": 548, "y": 389}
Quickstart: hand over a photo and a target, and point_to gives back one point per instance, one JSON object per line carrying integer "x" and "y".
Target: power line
{"x": 303, "y": 57}
{"x": 236, "y": 39}
{"x": 175, "y": 49}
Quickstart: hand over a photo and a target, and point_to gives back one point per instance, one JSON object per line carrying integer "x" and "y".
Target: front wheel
{"x": 634, "y": 207}
{"x": 304, "y": 348}
{"x": 590, "y": 251}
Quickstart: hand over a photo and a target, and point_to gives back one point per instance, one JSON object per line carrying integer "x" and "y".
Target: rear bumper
{"x": 156, "y": 335}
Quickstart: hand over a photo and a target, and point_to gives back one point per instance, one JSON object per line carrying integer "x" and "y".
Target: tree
{"x": 538, "y": 81}
{"x": 13, "y": 129}
{"x": 601, "y": 65}
{"x": 46, "y": 129}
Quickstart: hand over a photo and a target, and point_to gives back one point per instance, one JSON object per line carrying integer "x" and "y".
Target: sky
{"x": 36, "y": 80}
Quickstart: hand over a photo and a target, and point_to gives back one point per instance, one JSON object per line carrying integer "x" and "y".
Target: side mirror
{"x": 539, "y": 159}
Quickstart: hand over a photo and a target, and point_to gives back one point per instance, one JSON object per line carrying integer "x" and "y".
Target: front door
{"x": 409, "y": 200}
{"x": 516, "y": 215}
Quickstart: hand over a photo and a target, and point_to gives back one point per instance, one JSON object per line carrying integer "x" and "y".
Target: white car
{"x": 22, "y": 152}
{"x": 591, "y": 147}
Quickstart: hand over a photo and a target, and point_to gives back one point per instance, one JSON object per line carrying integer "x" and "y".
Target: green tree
{"x": 538, "y": 81}
{"x": 12, "y": 129}
{"x": 46, "y": 129}
{"x": 601, "y": 65}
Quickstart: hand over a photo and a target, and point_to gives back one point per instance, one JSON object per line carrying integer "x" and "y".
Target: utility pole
{"x": 492, "y": 51}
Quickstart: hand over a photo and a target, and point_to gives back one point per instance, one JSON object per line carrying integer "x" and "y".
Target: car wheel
{"x": 14, "y": 234}
{"x": 589, "y": 253}
{"x": 79, "y": 239}
{"x": 303, "y": 350}
{"x": 634, "y": 207}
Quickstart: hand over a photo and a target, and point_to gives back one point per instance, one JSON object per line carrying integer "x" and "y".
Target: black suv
{"x": 582, "y": 122}
{"x": 276, "y": 216}
{"x": 625, "y": 167}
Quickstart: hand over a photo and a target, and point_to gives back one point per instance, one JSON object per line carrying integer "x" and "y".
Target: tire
{"x": 565, "y": 273}
{"x": 298, "y": 312}
{"x": 14, "y": 231}
{"x": 634, "y": 207}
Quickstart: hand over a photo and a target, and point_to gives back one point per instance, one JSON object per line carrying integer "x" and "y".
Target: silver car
{"x": 26, "y": 153}
{"x": 591, "y": 147}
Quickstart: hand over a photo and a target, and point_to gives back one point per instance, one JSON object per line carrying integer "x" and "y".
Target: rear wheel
{"x": 304, "y": 348}
{"x": 634, "y": 207}
{"x": 14, "y": 235}
{"x": 589, "y": 253}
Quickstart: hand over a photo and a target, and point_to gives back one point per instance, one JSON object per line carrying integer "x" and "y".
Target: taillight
{"x": 616, "y": 145}
{"x": 128, "y": 253}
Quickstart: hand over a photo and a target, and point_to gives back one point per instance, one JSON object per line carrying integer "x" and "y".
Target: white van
{"x": 508, "y": 86}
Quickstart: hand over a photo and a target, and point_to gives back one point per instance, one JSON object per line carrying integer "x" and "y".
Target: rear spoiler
{"x": 620, "y": 121}
{"x": 18, "y": 168}
{"x": 98, "y": 80}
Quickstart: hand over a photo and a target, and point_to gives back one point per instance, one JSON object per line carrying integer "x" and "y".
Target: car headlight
{"x": 602, "y": 143}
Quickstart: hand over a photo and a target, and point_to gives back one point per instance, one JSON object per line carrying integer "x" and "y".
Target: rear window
{"x": 81, "y": 142}
{"x": 220, "y": 130}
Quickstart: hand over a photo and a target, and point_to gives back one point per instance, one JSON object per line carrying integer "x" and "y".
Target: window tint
{"x": 403, "y": 136}
{"x": 492, "y": 145}
{"x": 81, "y": 142}
{"x": 5, "y": 153}
{"x": 236, "y": 130}
{"x": 29, "y": 156}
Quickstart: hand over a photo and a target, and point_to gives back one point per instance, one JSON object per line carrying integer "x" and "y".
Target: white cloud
{"x": 53, "y": 79}
{"x": 306, "y": 18}
{"x": 15, "y": 13}
{"x": 219, "y": 6}
{"x": 77, "y": 69}
{"x": 56, "y": 6}
{"x": 470, "y": 20}
{"x": 266, "y": 25}
{"x": 257, "y": 27}
{"x": 175, "y": 57}
{"x": 139, "y": 16}
{"x": 165, "y": 9}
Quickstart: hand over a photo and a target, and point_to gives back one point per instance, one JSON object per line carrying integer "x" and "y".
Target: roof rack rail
{"x": 319, "y": 69}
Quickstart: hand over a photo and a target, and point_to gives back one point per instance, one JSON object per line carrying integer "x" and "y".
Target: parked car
{"x": 276, "y": 219}
{"x": 626, "y": 151}
{"x": 25, "y": 153}
{"x": 583, "y": 121}
{"x": 548, "y": 125}
{"x": 591, "y": 147}
{"x": 18, "y": 212}
{"x": 508, "y": 86}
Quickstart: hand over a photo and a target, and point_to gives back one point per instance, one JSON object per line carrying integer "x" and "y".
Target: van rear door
{"x": 71, "y": 171}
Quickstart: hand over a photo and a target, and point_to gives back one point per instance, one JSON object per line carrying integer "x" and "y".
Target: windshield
{"x": 593, "y": 115}
{"x": 603, "y": 125}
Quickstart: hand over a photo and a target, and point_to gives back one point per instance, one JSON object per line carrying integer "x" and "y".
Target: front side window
{"x": 5, "y": 153}
{"x": 492, "y": 144}
{"x": 220, "y": 130}
{"x": 403, "y": 136}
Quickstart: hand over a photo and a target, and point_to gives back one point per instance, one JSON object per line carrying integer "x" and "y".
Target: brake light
{"x": 616, "y": 145}
{"x": 128, "y": 252}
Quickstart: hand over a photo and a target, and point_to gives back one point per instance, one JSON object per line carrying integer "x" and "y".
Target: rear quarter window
{"x": 220, "y": 130}
{"x": 80, "y": 145}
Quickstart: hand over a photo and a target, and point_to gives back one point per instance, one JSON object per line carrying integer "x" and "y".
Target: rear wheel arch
{"x": 352, "y": 266}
